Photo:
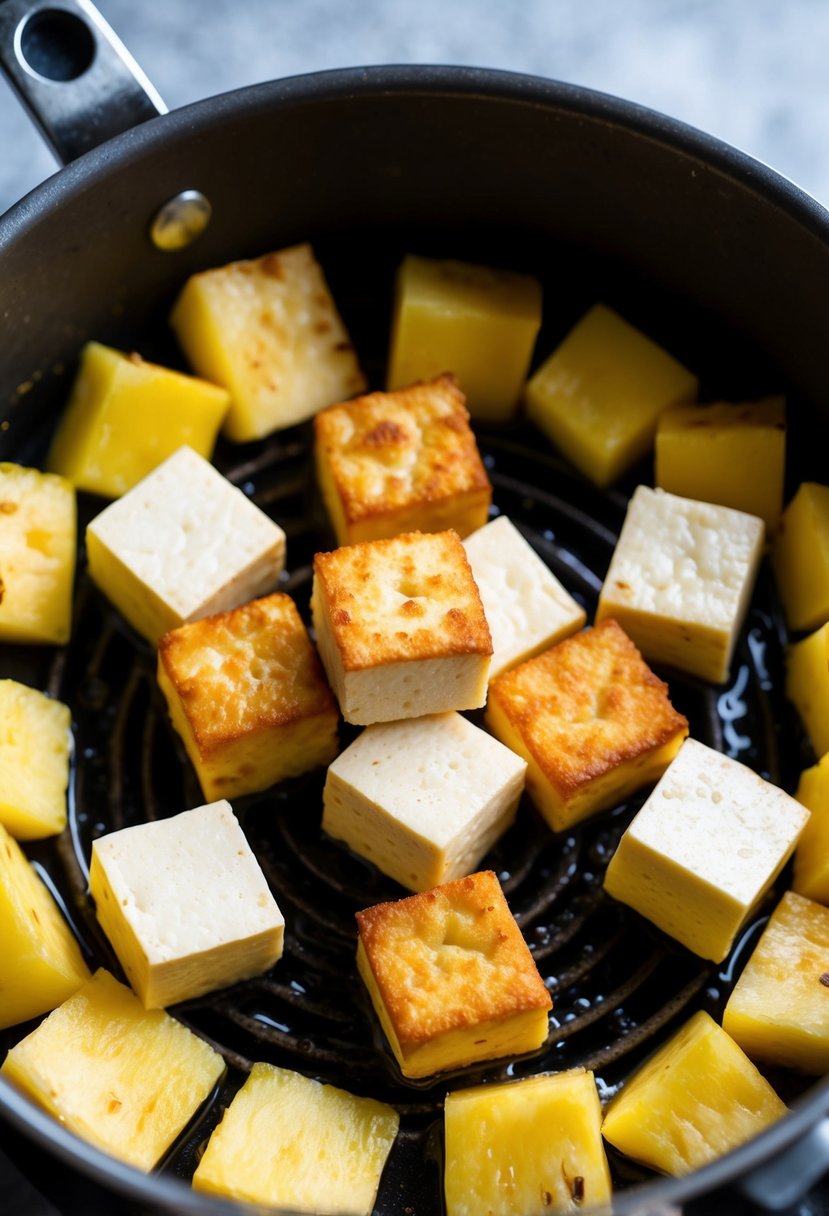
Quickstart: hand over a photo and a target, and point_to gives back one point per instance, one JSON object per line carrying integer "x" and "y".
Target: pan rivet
{"x": 180, "y": 221}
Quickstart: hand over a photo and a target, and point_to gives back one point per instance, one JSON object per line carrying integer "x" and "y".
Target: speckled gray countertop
{"x": 752, "y": 72}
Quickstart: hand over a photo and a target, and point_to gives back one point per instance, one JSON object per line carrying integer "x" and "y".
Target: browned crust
{"x": 490, "y": 976}
{"x": 430, "y": 571}
{"x": 587, "y": 706}
{"x": 269, "y": 676}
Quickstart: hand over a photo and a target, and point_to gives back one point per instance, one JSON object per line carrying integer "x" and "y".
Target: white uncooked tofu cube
{"x": 183, "y": 544}
{"x": 525, "y": 605}
{"x": 681, "y": 578}
{"x": 185, "y": 904}
{"x": 423, "y": 799}
{"x": 704, "y": 849}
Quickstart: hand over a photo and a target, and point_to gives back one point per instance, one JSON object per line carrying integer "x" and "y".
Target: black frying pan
{"x": 706, "y": 250}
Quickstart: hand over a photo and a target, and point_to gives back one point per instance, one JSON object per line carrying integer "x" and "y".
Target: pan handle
{"x": 75, "y": 77}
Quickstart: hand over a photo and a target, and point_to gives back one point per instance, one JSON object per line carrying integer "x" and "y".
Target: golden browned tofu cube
{"x": 451, "y": 978}
{"x": 291, "y": 1143}
{"x": 526, "y": 1147}
{"x": 269, "y": 332}
{"x": 35, "y": 745}
{"x": 778, "y": 1010}
{"x": 401, "y": 628}
{"x": 126, "y": 1079}
{"x": 698, "y": 1097}
{"x": 592, "y": 721}
{"x": 248, "y": 697}
{"x": 42, "y": 964}
{"x": 476, "y": 321}
{"x": 38, "y": 524}
{"x": 401, "y": 462}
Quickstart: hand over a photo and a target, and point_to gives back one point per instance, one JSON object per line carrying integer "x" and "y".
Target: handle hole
{"x": 56, "y": 45}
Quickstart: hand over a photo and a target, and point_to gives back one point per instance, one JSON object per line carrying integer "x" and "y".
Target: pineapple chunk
{"x": 779, "y": 1008}
{"x": 120, "y": 1077}
{"x": 290, "y": 1142}
{"x": 800, "y": 558}
{"x": 525, "y": 1147}
{"x": 269, "y": 332}
{"x": 42, "y": 964}
{"x": 599, "y": 395}
{"x": 35, "y": 741}
{"x": 732, "y": 455}
{"x": 698, "y": 1097}
{"x": 807, "y": 685}
{"x": 475, "y": 321}
{"x": 125, "y": 416}
{"x": 811, "y": 859}
{"x": 38, "y": 523}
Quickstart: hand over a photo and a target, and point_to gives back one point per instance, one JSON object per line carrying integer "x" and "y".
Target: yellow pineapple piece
{"x": 35, "y": 742}
{"x": 599, "y": 395}
{"x": 125, "y": 416}
{"x": 123, "y": 1078}
{"x": 42, "y": 964}
{"x": 779, "y": 1008}
{"x": 807, "y": 685}
{"x": 811, "y": 858}
{"x": 269, "y": 332}
{"x": 525, "y": 1147}
{"x": 38, "y": 524}
{"x": 732, "y": 455}
{"x": 292, "y": 1143}
{"x": 698, "y": 1097}
{"x": 247, "y": 695}
{"x": 800, "y": 558}
{"x": 475, "y": 321}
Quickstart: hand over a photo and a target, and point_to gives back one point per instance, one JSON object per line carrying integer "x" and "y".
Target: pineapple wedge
{"x": 811, "y": 858}
{"x": 42, "y": 964}
{"x": 698, "y": 1097}
{"x": 779, "y": 1009}
{"x": 290, "y": 1142}
{"x": 35, "y": 742}
{"x": 269, "y": 332}
{"x": 123, "y": 1078}
{"x": 38, "y": 524}
{"x": 525, "y": 1147}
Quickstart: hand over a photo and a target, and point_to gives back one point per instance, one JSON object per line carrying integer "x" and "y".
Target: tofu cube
{"x": 592, "y": 721}
{"x": 451, "y": 979}
{"x": 423, "y": 799}
{"x": 476, "y": 321}
{"x": 42, "y": 964}
{"x": 35, "y": 744}
{"x": 125, "y": 416}
{"x": 704, "y": 849}
{"x": 291, "y": 1143}
{"x": 526, "y": 607}
{"x": 124, "y": 1079}
{"x": 269, "y": 332}
{"x": 181, "y": 545}
{"x": 401, "y": 462}
{"x": 525, "y": 1146}
{"x": 807, "y": 685}
{"x": 697, "y": 1098}
{"x": 778, "y": 1010}
{"x": 732, "y": 455}
{"x": 248, "y": 697}
{"x": 800, "y": 558}
{"x": 599, "y": 395}
{"x": 400, "y": 627}
{"x": 811, "y": 858}
{"x": 185, "y": 905}
{"x": 38, "y": 527}
{"x": 680, "y": 580}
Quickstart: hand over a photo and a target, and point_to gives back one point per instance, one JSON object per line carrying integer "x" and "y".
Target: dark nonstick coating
{"x": 709, "y": 253}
